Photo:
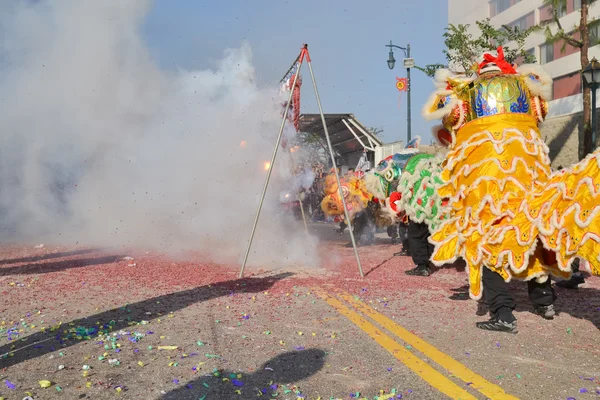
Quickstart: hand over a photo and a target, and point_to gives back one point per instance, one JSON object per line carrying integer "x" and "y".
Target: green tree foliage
{"x": 463, "y": 48}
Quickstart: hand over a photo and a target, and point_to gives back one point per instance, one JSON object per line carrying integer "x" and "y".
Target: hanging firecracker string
{"x": 400, "y": 101}
{"x": 287, "y": 81}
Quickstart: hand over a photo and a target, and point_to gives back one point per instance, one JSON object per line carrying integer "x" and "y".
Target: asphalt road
{"x": 93, "y": 325}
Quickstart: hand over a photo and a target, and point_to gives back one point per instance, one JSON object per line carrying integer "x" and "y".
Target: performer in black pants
{"x": 420, "y": 248}
{"x": 403, "y": 233}
{"x": 363, "y": 225}
{"x": 576, "y": 279}
{"x": 342, "y": 228}
{"x": 392, "y": 232}
{"x": 501, "y": 303}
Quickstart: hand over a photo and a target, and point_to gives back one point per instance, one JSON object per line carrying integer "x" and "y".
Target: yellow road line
{"x": 456, "y": 368}
{"x": 420, "y": 367}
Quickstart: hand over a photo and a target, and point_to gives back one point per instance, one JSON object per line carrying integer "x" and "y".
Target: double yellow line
{"x": 433, "y": 377}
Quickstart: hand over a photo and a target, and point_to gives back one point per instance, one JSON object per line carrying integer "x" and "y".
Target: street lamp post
{"x": 408, "y": 64}
{"x": 591, "y": 75}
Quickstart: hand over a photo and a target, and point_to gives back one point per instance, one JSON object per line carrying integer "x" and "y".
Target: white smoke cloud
{"x": 102, "y": 147}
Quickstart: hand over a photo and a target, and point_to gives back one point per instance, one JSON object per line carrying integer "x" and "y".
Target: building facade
{"x": 563, "y": 64}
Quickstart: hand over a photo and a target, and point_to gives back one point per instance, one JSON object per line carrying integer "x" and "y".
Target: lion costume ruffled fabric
{"x": 383, "y": 181}
{"x": 355, "y": 194}
{"x": 376, "y": 185}
{"x": 504, "y": 200}
{"x": 418, "y": 188}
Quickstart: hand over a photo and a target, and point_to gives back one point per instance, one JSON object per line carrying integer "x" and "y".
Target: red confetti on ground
{"x": 56, "y": 270}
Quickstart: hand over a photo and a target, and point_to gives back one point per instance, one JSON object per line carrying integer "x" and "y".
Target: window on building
{"x": 546, "y": 14}
{"x": 498, "y": 6}
{"x": 562, "y": 10}
{"x": 521, "y": 60}
{"x": 520, "y": 23}
{"x": 576, "y": 5}
{"x": 567, "y": 85}
{"x": 546, "y": 53}
{"x": 594, "y": 35}
{"x": 530, "y": 52}
{"x": 524, "y": 22}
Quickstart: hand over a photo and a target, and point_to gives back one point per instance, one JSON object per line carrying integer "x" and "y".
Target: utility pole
{"x": 408, "y": 64}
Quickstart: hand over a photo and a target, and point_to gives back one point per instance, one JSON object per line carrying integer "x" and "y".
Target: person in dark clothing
{"x": 364, "y": 225}
{"x": 420, "y": 248}
{"x": 501, "y": 302}
{"x": 403, "y": 233}
{"x": 392, "y": 232}
{"x": 342, "y": 227}
{"x": 576, "y": 279}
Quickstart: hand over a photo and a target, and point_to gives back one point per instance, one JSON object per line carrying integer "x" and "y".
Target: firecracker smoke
{"x": 99, "y": 146}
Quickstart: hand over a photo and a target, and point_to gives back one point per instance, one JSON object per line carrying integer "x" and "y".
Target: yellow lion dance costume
{"x": 507, "y": 210}
{"x": 355, "y": 194}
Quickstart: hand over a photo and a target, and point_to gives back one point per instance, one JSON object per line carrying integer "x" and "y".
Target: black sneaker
{"x": 401, "y": 253}
{"x": 497, "y": 325}
{"x": 547, "y": 312}
{"x": 418, "y": 271}
{"x": 482, "y": 309}
{"x": 573, "y": 283}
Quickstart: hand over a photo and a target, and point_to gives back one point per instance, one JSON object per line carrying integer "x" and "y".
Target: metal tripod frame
{"x": 304, "y": 55}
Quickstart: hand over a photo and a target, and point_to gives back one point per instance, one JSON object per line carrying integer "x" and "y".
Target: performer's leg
{"x": 430, "y": 247}
{"x": 576, "y": 279}
{"x": 542, "y": 296}
{"x": 342, "y": 227}
{"x": 419, "y": 248}
{"x": 392, "y": 232}
{"x": 482, "y": 307}
{"x": 359, "y": 225}
{"x": 405, "y": 241}
{"x": 500, "y": 302}
{"x": 403, "y": 238}
{"x": 367, "y": 236}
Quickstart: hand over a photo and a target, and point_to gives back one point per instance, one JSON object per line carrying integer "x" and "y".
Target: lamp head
{"x": 391, "y": 60}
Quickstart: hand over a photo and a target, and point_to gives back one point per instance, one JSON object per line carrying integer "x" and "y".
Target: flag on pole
{"x": 402, "y": 84}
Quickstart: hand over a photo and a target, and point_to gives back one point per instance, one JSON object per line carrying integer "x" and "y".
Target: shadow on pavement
{"x": 42, "y": 268}
{"x": 49, "y": 256}
{"x": 284, "y": 369}
{"x": 41, "y": 343}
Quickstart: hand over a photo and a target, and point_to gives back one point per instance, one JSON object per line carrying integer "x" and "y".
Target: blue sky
{"x": 346, "y": 41}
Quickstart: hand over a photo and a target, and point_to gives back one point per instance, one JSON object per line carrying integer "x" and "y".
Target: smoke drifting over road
{"x": 100, "y": 146}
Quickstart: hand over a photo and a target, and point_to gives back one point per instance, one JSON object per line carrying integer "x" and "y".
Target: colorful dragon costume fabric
{"x": 418, "y": 190}
{"x": 376, "y": 185}
{"x": 383, "y": 181}
{"x": 506, "y": 210}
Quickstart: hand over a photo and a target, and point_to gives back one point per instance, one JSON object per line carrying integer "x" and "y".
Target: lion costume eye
{"x": 390, "y": 175}
{"x": 345, "y": 191}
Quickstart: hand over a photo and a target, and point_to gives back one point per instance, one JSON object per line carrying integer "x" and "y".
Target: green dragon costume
{"x": 418, "y": 186}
